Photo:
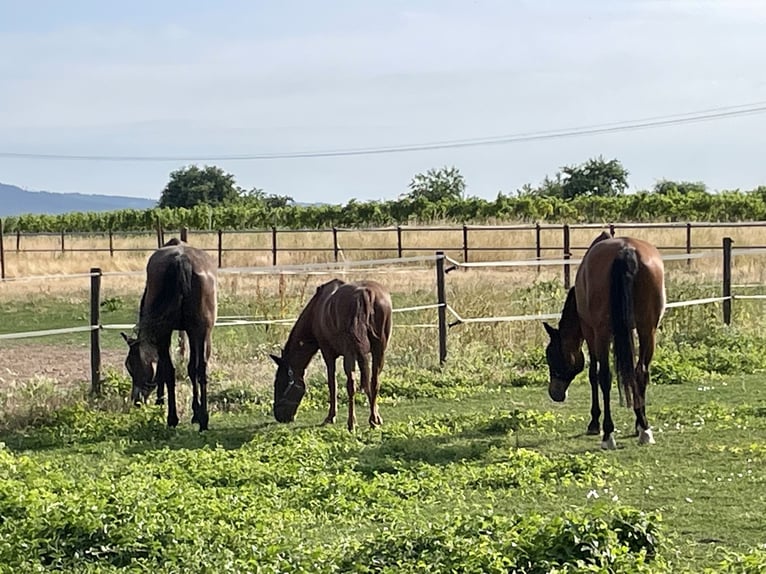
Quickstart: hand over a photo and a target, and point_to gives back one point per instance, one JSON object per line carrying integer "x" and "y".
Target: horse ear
{"x": 277, "y": 360}
{"x": 552, "y": 332}
{"x": 128, "y": 339}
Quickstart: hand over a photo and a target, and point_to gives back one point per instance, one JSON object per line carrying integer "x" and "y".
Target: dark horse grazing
{"x": 341, "y": 319}
{"x": 619, "y": 286}
{"x": 180, "y": 294}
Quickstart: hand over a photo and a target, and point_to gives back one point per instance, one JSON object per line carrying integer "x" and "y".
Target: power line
{"x": 710, "y": 114}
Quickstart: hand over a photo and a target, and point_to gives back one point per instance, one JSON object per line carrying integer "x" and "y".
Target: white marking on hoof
{"x": 646, "y": 437}
{"x": 609, "y": 443}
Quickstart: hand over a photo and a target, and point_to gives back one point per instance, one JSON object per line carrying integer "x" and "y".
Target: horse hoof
{"x": 202, "y": 419}
{"x": 159, "y": 402}
{"x": 646, "y": 437}
{"x": 329, "y": 421}
{"x": 172, "y": 422}
{"x": 593, "y": 430}
{"x": 609, "y": 443}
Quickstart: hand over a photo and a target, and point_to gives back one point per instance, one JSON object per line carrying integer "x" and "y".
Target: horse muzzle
{"x": 557, "y": 390}
{"x": 284, "y": 412}
{"x": 286, "y": 407}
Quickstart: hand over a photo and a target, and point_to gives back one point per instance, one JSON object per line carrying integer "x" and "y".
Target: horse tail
{"x": 361, "y": 322}
{"x": 624, "y": 269}
{"x": 176, "y": 285}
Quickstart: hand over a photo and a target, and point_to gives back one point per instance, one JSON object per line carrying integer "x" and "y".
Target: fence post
{"x": 111, "y": 243}
{"x": 399, "y": 241}
{"x": 688, "y": 242}
{"x": 538, "y": 244}
{"x": 441, "y": 298}
{"x": 184, "y": 234}
{"x": 18, "y": 240}
{"x": 727, "y": 280}
{"x": 220, "y": 248}
{"x": 2, "y": 250}
{"x": 335, "y": 247}
{"x": 95, "y": 333}
{"x": 274, "y": 246}
{"x": 465, "y": 243}
{"x": 159, "y": 233}
{"x": 62, "y": 241}
{"x": 567, "y": 255}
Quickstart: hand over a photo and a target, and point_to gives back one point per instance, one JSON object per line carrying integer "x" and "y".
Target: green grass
{"x": 87, "y": 490}
{"x": 474, "y": 470}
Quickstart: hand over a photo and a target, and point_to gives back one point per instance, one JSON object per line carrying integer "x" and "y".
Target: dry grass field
{"x": 42, "y": 254}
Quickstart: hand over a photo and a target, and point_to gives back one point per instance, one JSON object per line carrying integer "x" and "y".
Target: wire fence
{"x": 467, "y": 242}
{"x": 441, "y": 306}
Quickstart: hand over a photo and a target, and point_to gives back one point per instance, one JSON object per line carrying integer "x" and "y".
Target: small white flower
{"x": 687, "y": 499}
{"x": 615, "y": 498}
{"x": 592, "y": 494}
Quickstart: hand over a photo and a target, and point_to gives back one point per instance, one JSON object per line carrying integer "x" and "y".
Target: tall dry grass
{"x": 43, "y": 254}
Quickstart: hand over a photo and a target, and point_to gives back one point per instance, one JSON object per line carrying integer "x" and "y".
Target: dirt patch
{"x": 66, "y": 364}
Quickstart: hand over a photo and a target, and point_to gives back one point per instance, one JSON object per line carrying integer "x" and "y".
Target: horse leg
{"x": 377, "y": 365}
{"x": 166, "y": 375}
{"x": 608, "y": 441}
{"x": 646, "y": 352}
{"x": 161, "y": 377}
{"x": 348, "y": 367}
{"x": 332, "y": 388}
{"x": 203, "y": 355}
{"x": 364, "y": 384}
{"x": 594, "y": 427}
{"x": 192, "y": 372}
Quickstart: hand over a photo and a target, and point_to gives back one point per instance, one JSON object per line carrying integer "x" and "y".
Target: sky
{"x": 187, "y": 78}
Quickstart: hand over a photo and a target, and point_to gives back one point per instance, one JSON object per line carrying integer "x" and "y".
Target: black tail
{"x": 176, "y": 286}
{"x": 624, "y": 270}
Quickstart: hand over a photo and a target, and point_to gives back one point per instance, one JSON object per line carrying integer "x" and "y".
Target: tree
{"x": 667, "y": 187}
{"x": 437, "y": 184}
{"x": 192, "y": 186}
{"x": 269, "y": 200}
{"x": 595, "y": 177}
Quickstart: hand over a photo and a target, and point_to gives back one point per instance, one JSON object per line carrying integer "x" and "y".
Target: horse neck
{"x": 301, "y": 346}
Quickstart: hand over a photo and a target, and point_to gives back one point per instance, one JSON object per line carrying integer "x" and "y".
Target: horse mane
{"x": 570, "y": 320}
{"x": 302, "y": 331}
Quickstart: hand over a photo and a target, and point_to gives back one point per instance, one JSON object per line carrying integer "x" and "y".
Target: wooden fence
{"x": 395, "y": 241}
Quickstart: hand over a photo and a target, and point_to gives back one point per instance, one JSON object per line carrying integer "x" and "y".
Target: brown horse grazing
{"x": 619, "y": 286}
{"x": 180, "y": 294}
{"x": 341, "y": 319}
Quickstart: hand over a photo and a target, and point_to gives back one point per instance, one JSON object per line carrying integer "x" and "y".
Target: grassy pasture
{"x": 474, "y": 470}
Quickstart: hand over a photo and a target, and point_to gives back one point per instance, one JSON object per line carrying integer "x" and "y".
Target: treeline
{"x": 668, "y": 204}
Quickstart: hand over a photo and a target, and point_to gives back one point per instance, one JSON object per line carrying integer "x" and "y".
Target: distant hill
{"x": 16, "y": 201}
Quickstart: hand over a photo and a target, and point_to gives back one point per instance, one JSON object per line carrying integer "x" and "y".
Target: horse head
{"x": 563, "y": 365}
{"x": 141, "y": 368}
{"x": 288, "y": 391}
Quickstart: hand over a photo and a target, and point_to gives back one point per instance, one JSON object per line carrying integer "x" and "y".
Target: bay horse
{"x": 619, "y": 286}
{"x": 180, "y": 294}
{"x": 344, "y": 319}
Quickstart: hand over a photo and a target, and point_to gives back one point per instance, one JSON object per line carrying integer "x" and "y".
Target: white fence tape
{"x": 570, "y": 261}
{"x": 64, "y": 331}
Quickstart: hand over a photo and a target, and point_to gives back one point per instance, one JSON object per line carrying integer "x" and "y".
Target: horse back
{"x": 352, "y": 316}
{"x": 593, "y": 282}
